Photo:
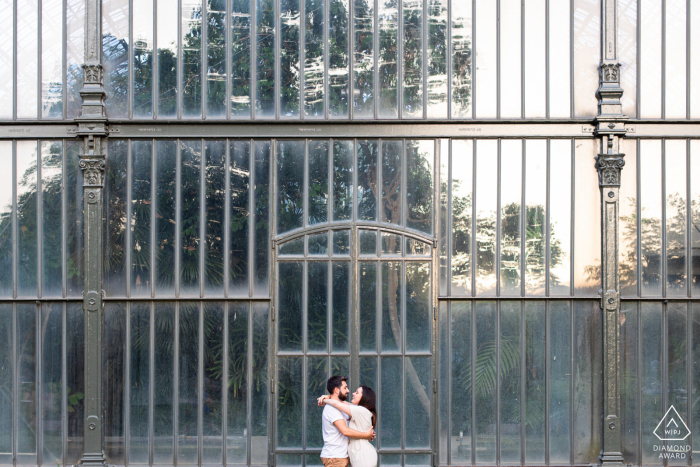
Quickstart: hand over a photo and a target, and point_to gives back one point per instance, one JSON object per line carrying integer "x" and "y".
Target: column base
{"x": 90, "y": 459}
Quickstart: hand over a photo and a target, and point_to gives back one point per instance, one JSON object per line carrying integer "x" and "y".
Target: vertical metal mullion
{"x": 224, "y": 376}
{"x": 403, "y": 399}
{"x": 547, "y": 231}
{"x": 64, "y": 224}
{"x": 689, "y": 369}
{"x": 202, "y": 212}
{"x": 638, "y": 66}
{"x": 498, "y": 86}
{"x": 251, "y": 216}
{"x": 424, "y": 59}
{"x": 473, "y": 236}
{"x": 253, "y": 57}
{"x": 154, "y": 183}
{"x": 229, "y": 73}
{"x": 378, "y": 288}
{"x": 399, "y": 62}
{"x": 355, "y": 165}
{"x": 663, "y": 219}
{"x": 326, "y": 56}
{"x": 127, "y": 386}
{"x": 64, "y": 382}
{"x": 688, "y": 231}
{"x": 204, "y": 58}
{"x": 523, "y": 376}
{"x": 329, "y": 308}
{"x": 305, "y": 346}
{"x": 176, "y": 383}
{"x": 180, "y": 67}
{"x": 178, "y": 216}
{"x": 249, "y": 382}
{"x": 402, "y": 324}
{"x": 14, "y": 218}
{"x": 448, "y": 234}
{"x": 378, "y": 195}
{"x": 688, "y": 46}
{"x": 448, "y": 338}
{"x": 523, "y": 214}
{"x": 130, "y": 84}
{"x": 378, "y": 429}
{"x": 547, "y": 373}
{"x": 227, "y": 215}
{"x": 663, "y": 66}
{"x": 200, "y": 384}
{"x": 638, "y": 352}
{"x": 403, "y": 220}
{"x": 572, "y": 219}
{"x": 351, "y": 62}
{"x": 449, "y": 78}
{"x": 499, "y": 219}
{"x": 638, "y": 206}
{"x": 474, "y": 99}
{"x": 15, "y": 383}
{"x": 39, "y": 113}
{"x": 277, "y": 71}
{"x": 355, "y": 312}
{"x": 571, "y": 62}
{"x": 472, "y": 317}
{"x": 305, "y": 188}
{"x": 39, "y": 220}
{"x": 375, "y": 63}
{"x": 498, "y": 380}
{"x": 151, "y": 380}
{"x": 14, "y": 60}
{"x": 64, "y": 71}
{"x": 547, "y": 63}
{"x": 302, "y": 65}
{"x": 38, "y": 320}
{"x": 571, "y": 383}
{"x": 664, "y": 366}
{"x": 330, "y": 184}
{"x": 129, "y": 199}
{"x": 154, "y": 88}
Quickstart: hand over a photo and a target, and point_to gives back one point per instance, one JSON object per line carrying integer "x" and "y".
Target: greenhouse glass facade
{"x": 486, "y": 210}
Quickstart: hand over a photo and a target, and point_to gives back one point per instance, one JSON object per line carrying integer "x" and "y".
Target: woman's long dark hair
{"x": 369, "y": 402}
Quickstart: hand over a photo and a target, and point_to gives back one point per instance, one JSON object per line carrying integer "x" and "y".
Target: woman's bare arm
{"x": 350, "y": 433}
{"x": 345, "y": 408}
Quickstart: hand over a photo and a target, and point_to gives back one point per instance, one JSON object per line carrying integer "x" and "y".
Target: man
{"x": 335, "y": 428}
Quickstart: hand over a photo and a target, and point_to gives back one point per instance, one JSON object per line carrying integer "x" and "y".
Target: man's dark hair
{"x": 335, "y": 381}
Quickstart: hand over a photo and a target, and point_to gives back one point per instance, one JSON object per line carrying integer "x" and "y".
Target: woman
{"x": 363, "y": 417}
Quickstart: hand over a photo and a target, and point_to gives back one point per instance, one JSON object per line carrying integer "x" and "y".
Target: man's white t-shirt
{"x": 335, "y": 444}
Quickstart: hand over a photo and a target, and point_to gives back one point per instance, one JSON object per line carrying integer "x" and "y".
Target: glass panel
{"x": 368, "y": 307}
{"x": 368, "y": 375}
{"x": 510, "y": 382}
{"x": 535, "y": 86}
{"x": 75, "y": 55}
{"x": 265, "y": 58}
{"x": 240, "y": 58}
{"x": 388, "y": 15}
{"x": 290, "y": 305}
{"x": 338, "y": 58}
{"x": 510, "y": 60}
{"x": 559, "y": 382}
{"x": 367, "y": 180}
{"x": 695, "y": 217}
{"x": 650, "y": 44}
{"x": 627, "y": 51}
{"x": 420, "y": 160}
{"x": 289, "y": 58}
{"x": 261, "y": 220}
{"x": 139, "y": 383}
{"x": 650, "y": 202}
{"x": 695, "y": 375}
{"x": 486, "y": 58}
{"x": 260, "y": 390}
{"x": 216, "y": 58}
{"x": 391, "y": 460}
{"x": 115, "y": 55}
{"x": 677, "y": 386}
{"x": 586, "y": 220}
{"x": 486, "y": 205}
{"x": 342, "y": 180}
{"x": 341, "y": 306}
{"x": 651, "y": 377}
{"x": 318, "y": 181}
{"x": 74, "y": 222}
{"x": 461, "y": 17}
{"x": 188, "y": 387}
{"x": 166, "y": 189}
{"x": 443, "y": 383}
{"x": 75, "y": 389}
{"x": 318, "y": 244}
{"x": 391, "y": 244}
{"x": 143, "y": 58}
{"x": 363, "y": 72}
{"x": 436, "y": 49}
{"x": 416, "y": 248}
{"x": 191, "y": 58}
{"x": 484, "y": 383}
{"x": 535, "y": 373}
{"x": 586, "y": 56}
{"x": 536, "y": 216}
{"x": 391, "y": 307}
{"x": 163, "y": 362}
{"x": 167, "y": 41}
{"x": 418, "y": 398}
{"x": 51, "y": 387}
{"x": 239, "y": 173}
{"x": 629, "y": 396}
{"x": 559, "y": 43}
{"x": 52, "y": 241}
{"x": 317, "y": 371}
{"x": 214, "y": 208}
{"x": 316, "y": 306}
{"x": 212, "y": 439}
{"x": 443, "y": 231}
{"x": 290, "y": 185}
{"x": 115, "y": 199}
{"x": 412, "y": 62}
{"x": 140, "y": 223}
{"x": 417, "y": 459}
{"x": 51, "y": 59}
{"x": 675, "y": 59}
{"x": 26, "y": 362}
{"x": 190, "y": 193}
{"x": 27, "y": 66}
{"x": 676, "y": 213}
{"x": 341, "y": 242}
{"x": 392, "y": 385}
{"x": 7, "y": 34}
{"x": 289, "y": 460}
{"x": 26, "y": 179}
{"x": 237, "y": 384}
{"x": 114, "y": 360}
{"x": 368, "y": 242}
{"x": 461, "y": 382}
{"x": 418, "y": 309}
{"x": 391, "y": 181}
{"x": 560, "y": 217}
{"x": 6, "y": 200}
{"x": 511, "y": 208}
{"x": 6, "y": 367}
{"x": 314, "y": 61}
{"x": 289, "y": 402}
{"x": 461, "y": 166}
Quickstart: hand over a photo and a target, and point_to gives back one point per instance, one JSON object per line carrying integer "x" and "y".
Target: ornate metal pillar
{"x": 92, "y": 130}
{"x": 610, "y": 128}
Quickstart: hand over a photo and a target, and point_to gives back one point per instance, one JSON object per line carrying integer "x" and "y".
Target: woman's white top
{"x": 360, "y": 451}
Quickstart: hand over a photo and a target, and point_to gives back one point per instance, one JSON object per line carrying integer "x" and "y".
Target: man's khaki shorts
{"x": 335, "y": 461}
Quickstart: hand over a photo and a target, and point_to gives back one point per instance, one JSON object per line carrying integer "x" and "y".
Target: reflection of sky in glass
{"x": 27, "y": 50}
{"x": 462, "y": 167}
{"x": 536, "y": 202}
{"x": 486, "y": 203}
{"x": 675, "y": 60}
{"x": 650, "y": 59}
{"x": 587, "y": 219}
{"x": 511, "y": 196}
{"x": 5, "y": 182}
{"x": 560, "y": 213}
{"x": 650, "y": 201}
{"x": 560, "y": 47}
{"x": 586, "y": 56}
{"x": 675, "y": 220}
{"x": 6, "y": 33}
{"x": 535, "y": 59}
{"x": 511, "y": 53}
{"x": 486, "y": 53}
{"x": 627, "y": 51}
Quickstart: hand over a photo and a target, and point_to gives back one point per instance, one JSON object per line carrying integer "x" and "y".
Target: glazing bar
{"x": 15, "y": 383}
{"x": 499, "y": 220}
{"x": 154, "y": 184}
{"x": 38, "y": 318}
{"x": 663, "y": 101}
{"x": 326, "y": 54}
{"x": 448, "y": 67}
{"x": 664, "y": 256}
{"x": 404, "y": 186}
{"x": 688, "y": 227}
{"x": 200, "y": 384}
{"x": 351, "y": 63}
{"x": 127, "y": 386}
{"x": 331, "y": 171}
{"x": 375, "y": 72}
{"x": 14, "y": 219}
{"x": 523, "y": 219}
{"x": 176, "y": 382}
{"x": 227, "y": 229}
{"x": 547, "y": 373}
{"x": 305, "y": 188}
{"x": 203, "y": 47}
{"x": 64, "y": 81}
{"x": 14, "y": 61}
{"x": 202, "y": 213}
{"x": 448, "y": 339}
{"x": 497, "y": 381}
{"x": 448, "y": 234}
{"x": 424, "y": 59}
{"x": 251, "y": 218}
{"x": 473, "y": 247}
{"x": 151, "y": 377}
{"x": 130, "y": 91}
{"x": 523, "y": 375}
{"x": 302, "y": 64}
{"x": 547, "y": 228}
{"x": 474, "y": 84}
{"x": 571, "y": 381}
{"x": 253, "y": 66}
{"x": 38, "y": 77}
{"x": 180, "y": 65}
{"x": 64, "y": 382}
{"x": 249, "y": 380}
{"x": 547, "y": 88}
{"x": 178, "y": 217}
{"x": 571, "y": 68}
{"x": 224, "y": 383}
{"x": 472, "y": 317}
{"x": 129, "y": 201}
{"x": 399, "y": 61}
{"x": 39, "y": 221}
{"x": 498, "y": 106}
{"x": 278, "y": 71}
{"x": 155, "y": 71}
{"x": 64, "y": 224}
{"x": 228, "y": 75}
{"x": 572, "y": 227}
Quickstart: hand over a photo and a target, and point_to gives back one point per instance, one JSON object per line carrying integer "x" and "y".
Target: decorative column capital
{"x": 609, "y": 167}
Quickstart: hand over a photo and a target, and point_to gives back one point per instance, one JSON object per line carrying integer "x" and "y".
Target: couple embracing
{"x": 348, "y": 427}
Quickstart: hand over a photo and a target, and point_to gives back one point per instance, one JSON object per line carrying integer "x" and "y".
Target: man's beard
{"x": 342, "y": 397}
